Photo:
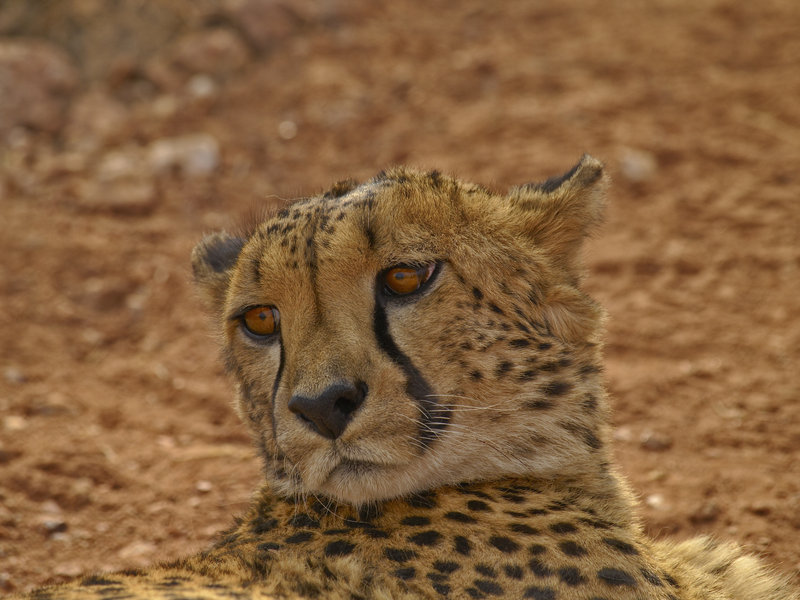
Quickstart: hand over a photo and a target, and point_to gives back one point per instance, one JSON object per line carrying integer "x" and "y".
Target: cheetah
{"x": 422, "y": 376}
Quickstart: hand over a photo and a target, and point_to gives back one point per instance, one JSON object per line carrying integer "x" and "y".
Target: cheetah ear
{"x": 560, "y": 212}
{"x": 212, "y": 260}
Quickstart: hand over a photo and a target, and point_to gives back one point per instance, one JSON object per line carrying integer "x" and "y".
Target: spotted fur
{"x": 452, "y": 443}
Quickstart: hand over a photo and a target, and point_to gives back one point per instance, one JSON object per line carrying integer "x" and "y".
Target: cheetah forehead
{"x": 406, "y": 215}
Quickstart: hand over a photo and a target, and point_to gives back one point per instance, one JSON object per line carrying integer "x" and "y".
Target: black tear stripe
{"x": 275, "y": 387}
{"x": 435, "y": 417}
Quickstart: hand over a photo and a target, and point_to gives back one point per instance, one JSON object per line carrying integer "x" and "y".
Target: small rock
{"x": 217, "y": 51}
{"x": 706, "y": 513}
{"x": 14, "y": 375}
{"x": 265, "y": 23}
{"x": 204, "y": 486}
{"x": 287, "y": 130}
{"x": 138, "y": 551}
{"x": 201, "y": 86}
{"x": 36, "y": 81}
{"x": 637, "y": 165}
{"x": 655, "y": 442}
{"x": 53, "y": 526}
{"x": 193, "y": 155}
{"x": 760, "y": 508}
{"x": 124, "y": 196}
{"x": 6, "y": 585}
{"x": 623, "y": 434}
{"x": 14, "y": 423}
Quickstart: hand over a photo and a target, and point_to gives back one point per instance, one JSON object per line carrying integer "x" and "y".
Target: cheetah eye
{"x": 403, "y": 280}
{"x": 261, "y": 321}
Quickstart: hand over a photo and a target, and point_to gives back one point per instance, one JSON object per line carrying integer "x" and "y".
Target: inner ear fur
{"x": 559, "y": 213}
{"x": 212, "y": 261}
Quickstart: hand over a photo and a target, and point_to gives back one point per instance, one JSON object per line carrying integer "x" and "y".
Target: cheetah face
{"x": 413, "y": 331}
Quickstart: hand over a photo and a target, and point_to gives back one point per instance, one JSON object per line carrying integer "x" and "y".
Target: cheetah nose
{"x": 329, "y": 413}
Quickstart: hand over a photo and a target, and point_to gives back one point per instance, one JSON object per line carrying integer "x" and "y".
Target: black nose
{"x": 330, "y": 412}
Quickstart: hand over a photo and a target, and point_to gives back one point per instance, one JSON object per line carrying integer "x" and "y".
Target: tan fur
{"x": 477, "y": 463}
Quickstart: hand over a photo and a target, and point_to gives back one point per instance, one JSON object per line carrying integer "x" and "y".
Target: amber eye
{"x": 407, "y": 280}
{"x": 261, "y": 321}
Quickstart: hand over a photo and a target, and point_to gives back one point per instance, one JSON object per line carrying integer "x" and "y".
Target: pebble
{"x": 204, "y": 486}
{"x": 655, "y": 442}
{"x": 53, "y": 526}
{"x": 14, "y": 375}
{"x": 193, "y": 155}
{"x": 637, "y": 165}
{"x": 706, "y": 513}
{"x": 14, "y": 423}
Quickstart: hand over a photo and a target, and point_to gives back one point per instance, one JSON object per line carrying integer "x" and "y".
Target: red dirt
{"x": 118, "y": 446}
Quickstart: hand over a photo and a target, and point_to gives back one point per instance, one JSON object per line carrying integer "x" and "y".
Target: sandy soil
{"x": 125, "y": 134}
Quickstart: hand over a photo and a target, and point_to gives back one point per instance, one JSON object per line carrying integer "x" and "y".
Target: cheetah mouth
{"x": 351, "y": 467}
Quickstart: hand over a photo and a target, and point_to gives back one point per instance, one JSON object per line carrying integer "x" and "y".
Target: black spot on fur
{"x": 556, "y": 388}
{"x": 442, "y": 589}
{"x": 477, "y": 293}
{"x": 339, "y": 548}
{"x": 538, "y": 568}
{"x": 476, "y": 375}
{"x": 268, "y": 546}
{"x": 503, "y": 368}
{"x": 303, "y": 520}
{"x": 504, "y": 544}
{"x": 447, "y": 567}
{"x": 462, "y": 545}
{"x": 571, "y": 576}
{"x": 262, "y": 524}
{"x": 571, "y": 548}
{"x": 539, "y": 404}
{"x": 485, "y": 570}
{"x": 616, "y": 577}
{"x": 299, "y": 538}
{"x": 496, "y": 308}
{"x": 425, "y": 499}
{"x": 651, "y": 577}
{"x": 514, "y": 571}
{"x": 376, "y": 534}
{"x": 539, "y": 593}
{"x": 523, "y": 528}
{"x": 545, "y": 346}
{"x": 426, "y": 538}
{"x": 94, "y": 580}
{"x": 519, "y": 343}
{"x": 478, "y": 505}
{"x": 563, "y": 527}
{"x": 400, "y": 555}
{"x": 488, "y": 587}
{"x": 623, "y": 547}
{"x": 537, "y": 549}
{"x": 416, "y": 521}
{"x": 459, "y": 517}
{"x": 405, "y": 573}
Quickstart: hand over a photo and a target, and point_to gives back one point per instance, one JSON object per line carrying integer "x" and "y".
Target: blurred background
{"x": 129, "y": 128}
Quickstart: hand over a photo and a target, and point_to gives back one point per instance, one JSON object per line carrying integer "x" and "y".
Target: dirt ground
{"x": 128, "y": 129}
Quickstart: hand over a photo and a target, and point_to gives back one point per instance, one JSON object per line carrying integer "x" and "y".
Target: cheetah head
{"x": 414, "y": 331}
